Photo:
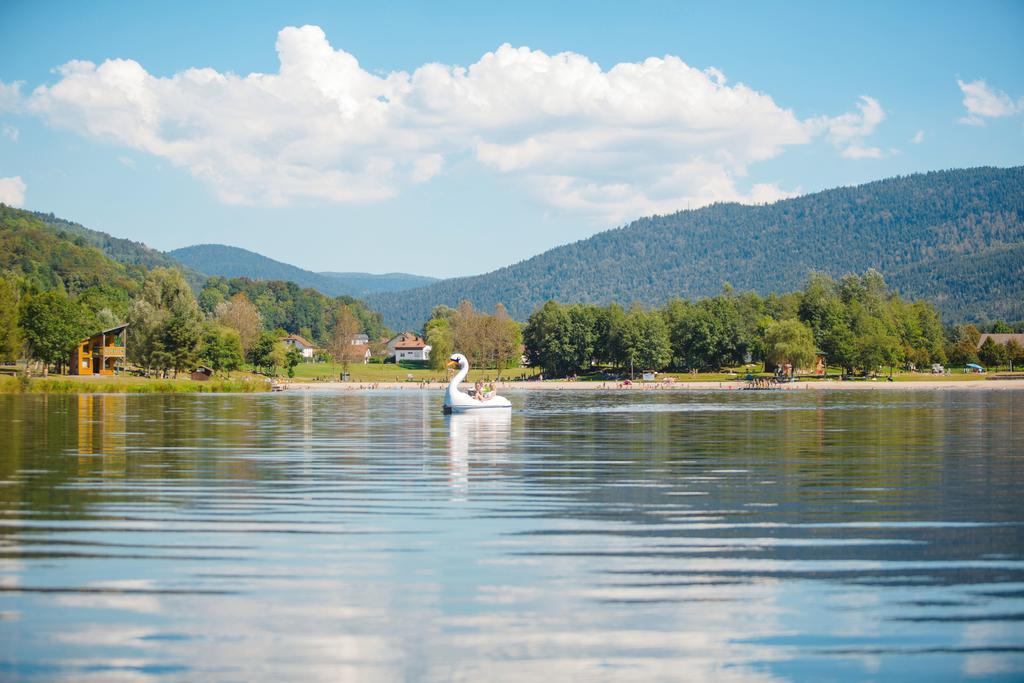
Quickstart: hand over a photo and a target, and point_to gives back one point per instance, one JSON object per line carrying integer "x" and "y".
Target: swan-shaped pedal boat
{"x": 456, "y": 401}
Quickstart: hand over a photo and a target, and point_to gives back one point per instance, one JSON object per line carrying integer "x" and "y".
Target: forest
{"x": 859, "y": 323}
{"x": 57, "y": 286}
{"x": 954, "y": 238}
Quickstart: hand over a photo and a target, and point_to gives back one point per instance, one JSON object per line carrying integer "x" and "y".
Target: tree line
{"x": 857, "y": 322}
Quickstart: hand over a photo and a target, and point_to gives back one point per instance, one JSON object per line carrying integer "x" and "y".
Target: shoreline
{"x": 675, "y": 387}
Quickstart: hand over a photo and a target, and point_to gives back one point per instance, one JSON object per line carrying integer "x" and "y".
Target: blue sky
{"x": 391, "y": 165}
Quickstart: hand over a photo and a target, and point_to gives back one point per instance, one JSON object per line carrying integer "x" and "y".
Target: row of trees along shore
{"x": 858, "y": 322}
{"x": 171, "y": 331}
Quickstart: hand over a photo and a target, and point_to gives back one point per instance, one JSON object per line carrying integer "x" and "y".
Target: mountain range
{"x": 225, "y": 261}
{"x": 955, "y": 238}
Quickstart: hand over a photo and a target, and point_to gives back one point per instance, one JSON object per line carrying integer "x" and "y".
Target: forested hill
{"x": 952, "y": 237}
{"x": 225, "y": 261}
{"x": 125, "y": 251}
{"x": 361, "y": 284}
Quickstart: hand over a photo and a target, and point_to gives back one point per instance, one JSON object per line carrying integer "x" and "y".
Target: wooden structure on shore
{"x": 100, "y": 354}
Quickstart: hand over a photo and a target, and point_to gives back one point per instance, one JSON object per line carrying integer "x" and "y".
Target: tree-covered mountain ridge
{"x": 231, "y": 262}
{"x": 953, "y": 237}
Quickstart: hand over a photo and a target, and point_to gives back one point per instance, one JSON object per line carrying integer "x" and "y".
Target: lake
{"x": 633, "y": 536}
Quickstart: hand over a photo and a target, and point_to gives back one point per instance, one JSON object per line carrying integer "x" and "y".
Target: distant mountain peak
{"x": 228, "y": 261}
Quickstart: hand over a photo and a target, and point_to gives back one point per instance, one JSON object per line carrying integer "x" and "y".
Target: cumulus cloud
{"x": 10, "y": 132}
{"x": 637, "y": 138}
{"x": 12, "y": 191}
{"x": 983, "y": 102}
{"x": 849, "y": 131}
{"x": 918, "y": 138}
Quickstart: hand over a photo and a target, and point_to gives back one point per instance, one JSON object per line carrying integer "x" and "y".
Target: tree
{"x": 166, "y": 323}
{"x": 875, "y": 350}
{"x": 221, "y": 348}
{"x": 291, "y": 359}
{"x": 964, "y": 348}
{"x": 547, "y": 340}
{"x": 53, "y": 326}
{"x": 992, "y": 354}
{"x": 346, "y": 326}
{"x": 268, "y": 353}
{"x": 1014, "y": 353}
{"x": 789, "y": 342}
{"x": 10, "y": 332}
{"x": 643, "y": 338}
{"x": 438, "y": 334}
{"x": 241, "y": 315}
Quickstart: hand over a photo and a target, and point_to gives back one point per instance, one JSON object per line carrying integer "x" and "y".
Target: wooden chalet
{"x": 100, "y": 354}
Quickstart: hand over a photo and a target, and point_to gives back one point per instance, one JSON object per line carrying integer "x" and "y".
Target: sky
{"x": 455, "y": 139}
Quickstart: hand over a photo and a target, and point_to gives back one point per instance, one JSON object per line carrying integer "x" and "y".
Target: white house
{"x": 408, "y": 346}
{"x": 360, "y": 340}
{"x": 304, "y": 346}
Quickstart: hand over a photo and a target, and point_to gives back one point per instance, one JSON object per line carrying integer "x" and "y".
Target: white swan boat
{"x": 457, "y": 401}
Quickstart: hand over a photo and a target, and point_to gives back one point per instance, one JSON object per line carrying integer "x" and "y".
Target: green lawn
{"x": 392, "y": 372}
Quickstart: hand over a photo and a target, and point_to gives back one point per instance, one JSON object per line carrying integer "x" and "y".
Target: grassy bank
{"x": 126, "y": 385}
{"x": 392, "y": 372}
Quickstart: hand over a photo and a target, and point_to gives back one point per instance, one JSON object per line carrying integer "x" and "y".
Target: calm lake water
{"x": 631, "y": 536}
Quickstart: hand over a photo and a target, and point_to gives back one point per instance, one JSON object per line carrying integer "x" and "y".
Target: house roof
{"x": 112, "y": 330}
{"x": 408, "y": 341}
{"x": 1001, "y": 338}
{"x": 299, "y": 340}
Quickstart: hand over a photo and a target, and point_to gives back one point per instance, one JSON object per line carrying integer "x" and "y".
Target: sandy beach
{"x": 730, "y": 385}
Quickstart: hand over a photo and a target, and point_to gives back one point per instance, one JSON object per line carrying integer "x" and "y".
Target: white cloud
{"x": 10, "y": 132}
{"x": 12, "y": 191}
{"x": 848, "y": 131}
{"x": 636, "y": 138}
{"x": 983, "y": 102}
{"x": 918, "y": 138}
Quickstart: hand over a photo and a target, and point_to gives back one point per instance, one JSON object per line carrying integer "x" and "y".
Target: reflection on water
{"x": 712, "y": 536}
{"x": 483, "y": 436}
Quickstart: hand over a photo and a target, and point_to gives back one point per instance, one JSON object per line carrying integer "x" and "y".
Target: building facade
{"x": 101, "y": 354}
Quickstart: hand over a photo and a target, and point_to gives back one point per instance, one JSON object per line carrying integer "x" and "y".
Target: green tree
{"x": 789, "y": 341}
{"x": 546, "y": 338}
{"x": 992, "y": 354}
{"x": 10, "y": 332}
{"x": 964, "y": 347}
{"x": 644, "y": 340}
{"x": 166, "y": 322}
{"x": 221, "y": 348}
{"x": 438, "y": 334}
{"x": 268, "y": 353}
{"x": 241, "y": 315}
{"x": 877, "y": 349}
{"x": 291, "y": 359}
{"x": 1014, "y": 353}
{"x": 53, "y": 326}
